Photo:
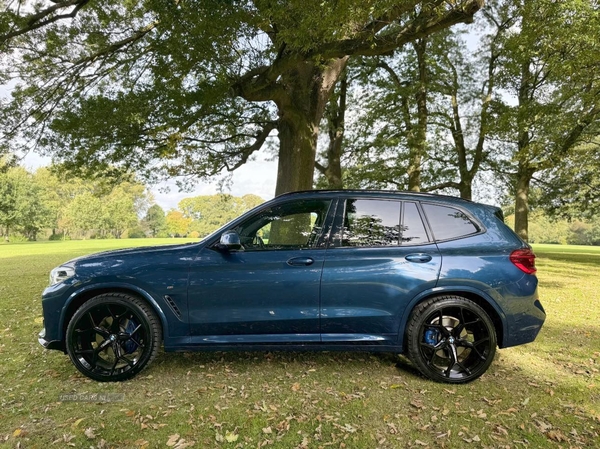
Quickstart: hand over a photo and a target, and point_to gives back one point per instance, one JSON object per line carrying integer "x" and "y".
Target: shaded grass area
{"x": 545, "y": 394}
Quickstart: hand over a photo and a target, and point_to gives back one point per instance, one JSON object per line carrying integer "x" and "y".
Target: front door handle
{"x": 300, "y": 261}
{"x": 418, "y": 258}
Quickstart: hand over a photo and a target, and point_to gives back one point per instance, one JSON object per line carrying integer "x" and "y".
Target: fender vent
{"x": 173, "y": 306}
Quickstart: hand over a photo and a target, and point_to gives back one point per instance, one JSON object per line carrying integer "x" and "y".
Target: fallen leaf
{"x": 76, "y": 423}
{"x": 556, "y": 435}
{"x": 231, "y": 437}
{"x": 267, "y": 430}
{"x": 172, "y": 440}
{"x": 89, "y": 432}
{"x": 17, "y": 432}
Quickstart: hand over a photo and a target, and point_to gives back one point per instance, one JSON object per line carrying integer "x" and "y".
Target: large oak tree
{"x": 193, "y": 87}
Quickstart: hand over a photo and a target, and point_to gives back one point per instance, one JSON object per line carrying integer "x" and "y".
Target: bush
{"x": 60, "y": 236}
{"x": 194, "y": 235}
{"x": 134, "y": 233}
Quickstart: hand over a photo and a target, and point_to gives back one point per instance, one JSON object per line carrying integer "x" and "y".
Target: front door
{"x": 269, "y": 290}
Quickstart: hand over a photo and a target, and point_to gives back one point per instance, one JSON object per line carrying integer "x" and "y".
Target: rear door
{"x": 380, "y": 257}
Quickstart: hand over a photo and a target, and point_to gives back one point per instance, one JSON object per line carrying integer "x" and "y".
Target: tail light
{"x": 524, "y": 260}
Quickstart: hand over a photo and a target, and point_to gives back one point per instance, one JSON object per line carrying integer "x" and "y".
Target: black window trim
{"x": 324, "y": 236}
{"x": 337, "y": 223}
{"x": 481, "y": 228}
{"x": 423, "y": 220}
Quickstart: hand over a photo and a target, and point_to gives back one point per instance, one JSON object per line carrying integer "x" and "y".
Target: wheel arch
{"x": 78, "y": 298}
{"x": 479, "y": 297}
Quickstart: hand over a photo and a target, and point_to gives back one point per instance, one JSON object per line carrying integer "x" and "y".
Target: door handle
{"x": 300, "y": 261}
{"x": 418, "y": 258}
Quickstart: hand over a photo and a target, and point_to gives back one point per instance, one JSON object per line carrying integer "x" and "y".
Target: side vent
{"x": 173, "y": 306}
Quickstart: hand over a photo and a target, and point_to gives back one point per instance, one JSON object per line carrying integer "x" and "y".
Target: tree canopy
{"x": 194, "y": 87}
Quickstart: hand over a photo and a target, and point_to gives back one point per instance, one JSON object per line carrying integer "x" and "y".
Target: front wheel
{"x": 451, "y": 339}
{"x": 113, "y": 336}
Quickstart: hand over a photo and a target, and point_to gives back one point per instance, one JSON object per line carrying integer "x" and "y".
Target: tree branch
{"x": 424, "y": 25}
{"x": 249, "y": 150}
{"x": 43, "y": 18}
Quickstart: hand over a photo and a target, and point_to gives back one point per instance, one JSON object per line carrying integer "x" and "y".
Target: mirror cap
{"x": 230, "y": 240}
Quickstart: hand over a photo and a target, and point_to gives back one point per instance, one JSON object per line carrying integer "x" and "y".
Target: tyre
{"x": 451, "y": 339}
{"x": 113, "y": 336}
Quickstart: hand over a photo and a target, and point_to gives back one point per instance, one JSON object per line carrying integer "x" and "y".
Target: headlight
{"x": 60, "y": 274}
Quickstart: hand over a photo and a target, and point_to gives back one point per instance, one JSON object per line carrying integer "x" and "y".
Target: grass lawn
{"x": 545, "y": 394}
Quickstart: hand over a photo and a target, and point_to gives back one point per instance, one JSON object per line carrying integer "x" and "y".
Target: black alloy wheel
{"x": 113, "y": 336}
{"x": 451, "y": 339}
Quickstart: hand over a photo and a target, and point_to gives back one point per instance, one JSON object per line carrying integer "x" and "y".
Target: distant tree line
{"x": 44, "y": 205}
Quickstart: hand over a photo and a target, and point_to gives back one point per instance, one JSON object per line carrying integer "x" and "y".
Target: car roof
{"x": 398, "y": 194}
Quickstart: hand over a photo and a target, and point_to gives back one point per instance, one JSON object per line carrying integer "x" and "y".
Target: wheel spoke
{"x": 112, "y": 370}
{"x": 114, "y": 326}
{"x": 483, "y": 340}
{"x": 135, "y": 330}
{"x": 458, "y": 330}
{"x": 464, "y": 368}
{"x": 472, "y": 346}
{"x": 453, "y": 359}
{"x": 141, "y": 346}
{"x": 101, "y": 331}
{"x": 85, "y": 351}
{"x": 126, "y": 360}
{"x": 440, "y": 324}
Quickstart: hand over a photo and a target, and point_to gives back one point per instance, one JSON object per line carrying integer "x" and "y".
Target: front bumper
{"x": 50, "y": 344}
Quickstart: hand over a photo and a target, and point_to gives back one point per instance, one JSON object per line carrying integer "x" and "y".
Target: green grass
{"x": 545, "y": 394}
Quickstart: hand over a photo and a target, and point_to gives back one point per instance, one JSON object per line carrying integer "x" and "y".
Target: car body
{"x": 439, "y": 278}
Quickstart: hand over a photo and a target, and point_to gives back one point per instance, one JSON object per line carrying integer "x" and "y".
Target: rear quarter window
{"x": 448, "y": 223}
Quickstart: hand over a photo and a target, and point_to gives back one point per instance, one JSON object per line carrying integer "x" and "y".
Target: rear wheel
{"x": 112, "y": 337}
{"x": 451, "y": 339}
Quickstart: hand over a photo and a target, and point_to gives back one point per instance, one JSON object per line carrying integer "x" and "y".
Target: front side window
{"x": 293, "y": 225}
{"x": 448, "y": 223}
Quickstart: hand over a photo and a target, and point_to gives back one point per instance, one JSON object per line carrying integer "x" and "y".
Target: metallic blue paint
{"x": 326, "y": 297}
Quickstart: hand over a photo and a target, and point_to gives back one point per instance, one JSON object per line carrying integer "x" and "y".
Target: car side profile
{"x": 440, "y": 279}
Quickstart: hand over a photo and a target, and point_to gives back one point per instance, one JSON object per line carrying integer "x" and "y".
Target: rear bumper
{"x": 525, "y": 323}
{"x": 50, "y": 344}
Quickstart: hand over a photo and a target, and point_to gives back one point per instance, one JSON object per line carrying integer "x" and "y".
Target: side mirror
{"x": 230, "y": 241}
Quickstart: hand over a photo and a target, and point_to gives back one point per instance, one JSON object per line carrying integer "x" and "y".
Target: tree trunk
{"x": 417, "y": 143}
{"x": 466, "y": 188}
{"x": 523, "y": 181}
{"x": 335, "y": 114}
{"x": 309, "y": 88}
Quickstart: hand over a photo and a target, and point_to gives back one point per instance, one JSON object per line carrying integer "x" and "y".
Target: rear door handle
{"x": 418, "y": 258}
{"x": 300, "y": 261}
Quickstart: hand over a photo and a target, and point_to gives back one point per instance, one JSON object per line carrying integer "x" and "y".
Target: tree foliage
{"x": 210, "y": 212}
{"x": 20, "y": 206}
{"x": 194, "y": 87}
{"x": 155, "y": 220}
{"x": 433, "y": 116}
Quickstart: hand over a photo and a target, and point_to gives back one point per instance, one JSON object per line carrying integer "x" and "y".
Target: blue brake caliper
{"x": 130, "y": 345}
{"x": 431, "y": 337}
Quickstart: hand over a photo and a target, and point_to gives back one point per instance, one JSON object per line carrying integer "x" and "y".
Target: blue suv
{"x": 438, "y": 278}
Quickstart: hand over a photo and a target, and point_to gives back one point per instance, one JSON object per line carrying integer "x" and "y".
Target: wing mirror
{"x": 230, "y": 241}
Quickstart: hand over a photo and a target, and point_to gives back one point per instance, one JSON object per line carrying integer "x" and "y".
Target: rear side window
{"x": 413, "y": 230}
{"x": 371, "y": 223}
{"x": 448, "y": 223}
